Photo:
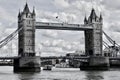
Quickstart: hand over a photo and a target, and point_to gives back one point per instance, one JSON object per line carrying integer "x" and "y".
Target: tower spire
{"x": 101, "y": 18}
{"x": 26, "y": 8}
{"x": 19, "y": 14}
{"x": 93, "y": 17}
{"x": 93, "y": 14}
{"x": 33, "y": 10}
{"x": 85, "y": 20}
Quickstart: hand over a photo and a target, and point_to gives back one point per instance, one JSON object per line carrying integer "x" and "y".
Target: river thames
{"x": 6, "y": 73}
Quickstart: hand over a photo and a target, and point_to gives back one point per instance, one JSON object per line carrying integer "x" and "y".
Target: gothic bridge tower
{"x": 93, "y": 38}
{"x": 93, "y": 44}
{"x": 26, "y": 43}
{"x": 28, "y": 61}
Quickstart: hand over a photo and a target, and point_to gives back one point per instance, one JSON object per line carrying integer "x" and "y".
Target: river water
{"x": 6, "y": 73}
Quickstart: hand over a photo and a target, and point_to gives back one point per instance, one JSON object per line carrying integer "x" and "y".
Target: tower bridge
{"x": 92, "y": 28}
{"x": 27, "y": 25}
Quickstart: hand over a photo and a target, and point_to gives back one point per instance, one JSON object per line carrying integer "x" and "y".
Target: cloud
{"x": 61, "y": 3}
{"x": 60, "y": 46}
{"x": 50, "y": 34}
{"x": 45, "y": 16}
{"x": 110, "y": 4}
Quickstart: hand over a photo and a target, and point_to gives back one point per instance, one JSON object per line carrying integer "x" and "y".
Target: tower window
{"x": 29, "y": 22}
{"x": 29, "y": 42}
{"x": 29, "y": 49}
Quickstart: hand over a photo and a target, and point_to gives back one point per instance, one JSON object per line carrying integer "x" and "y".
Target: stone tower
{"x": 26, "y": 43}
{"x": 93, "y": 38}
{"x": 27, "y": 61}
{"x": 93, "y": 45}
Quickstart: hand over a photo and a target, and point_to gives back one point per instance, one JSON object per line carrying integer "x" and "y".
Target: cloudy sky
{"x": 57, "y": 42}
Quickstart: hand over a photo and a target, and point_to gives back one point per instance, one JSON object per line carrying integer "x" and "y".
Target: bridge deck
{"x": 14, "y": 57}
{"x": 62, "y": 26}
{"x": 63, "y": 57}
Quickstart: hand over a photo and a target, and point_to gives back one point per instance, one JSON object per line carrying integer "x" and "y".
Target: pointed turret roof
{"x": 101, "y": 16}
{"x": 85, "y": 19}
{"x": 26, "y": 8}
{"x": 33, "y": 11}
{"x": 93, "y": 14}
{"x": 19, "y": 14}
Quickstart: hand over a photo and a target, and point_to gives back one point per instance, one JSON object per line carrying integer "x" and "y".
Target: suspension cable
{"x": 110, "y": 39}
{"x": 9, "y": 38}
{"x": 104, "y": 43}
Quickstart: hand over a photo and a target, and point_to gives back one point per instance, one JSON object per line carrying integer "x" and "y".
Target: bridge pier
{"x": 27, "y": 64}
{"x": 115, "y": 63}
{"x": 95, "y": 63}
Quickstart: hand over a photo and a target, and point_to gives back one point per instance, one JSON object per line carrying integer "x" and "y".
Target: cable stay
{"x": 105, "y": 44}
{"x": 112, "y": 50}
{"x": 9, "y": 38}
{"x": 110, "y": 40}
{"x": 106, "y": 47}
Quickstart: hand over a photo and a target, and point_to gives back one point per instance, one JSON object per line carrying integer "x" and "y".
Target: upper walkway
{"x": 62, "y": 26}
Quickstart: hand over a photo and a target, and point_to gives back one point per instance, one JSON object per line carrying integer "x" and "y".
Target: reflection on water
{"x": 6, "y": 73}
{"x": 26, "y": 76}
{"x": 94, "y": 75}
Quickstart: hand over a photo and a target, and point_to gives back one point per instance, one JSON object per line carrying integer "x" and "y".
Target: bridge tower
{"x": 93, "y": 38}
{"x": 93, "y": 44}
{"x": 26, "y": 43}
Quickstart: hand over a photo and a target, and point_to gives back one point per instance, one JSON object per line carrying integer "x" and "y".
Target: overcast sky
{"x": 52, "y": 42}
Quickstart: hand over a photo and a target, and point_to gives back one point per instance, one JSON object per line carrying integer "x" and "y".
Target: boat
{"x": 62, "y": 65}
{"x": 47, "y": 67}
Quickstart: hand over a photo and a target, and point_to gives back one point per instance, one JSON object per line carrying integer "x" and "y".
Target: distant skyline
{"x": 53, "y": 42}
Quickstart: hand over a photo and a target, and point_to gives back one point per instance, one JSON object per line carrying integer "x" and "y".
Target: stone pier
{"x": 27, "y": 64}
{"x": 95, "y": 63}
